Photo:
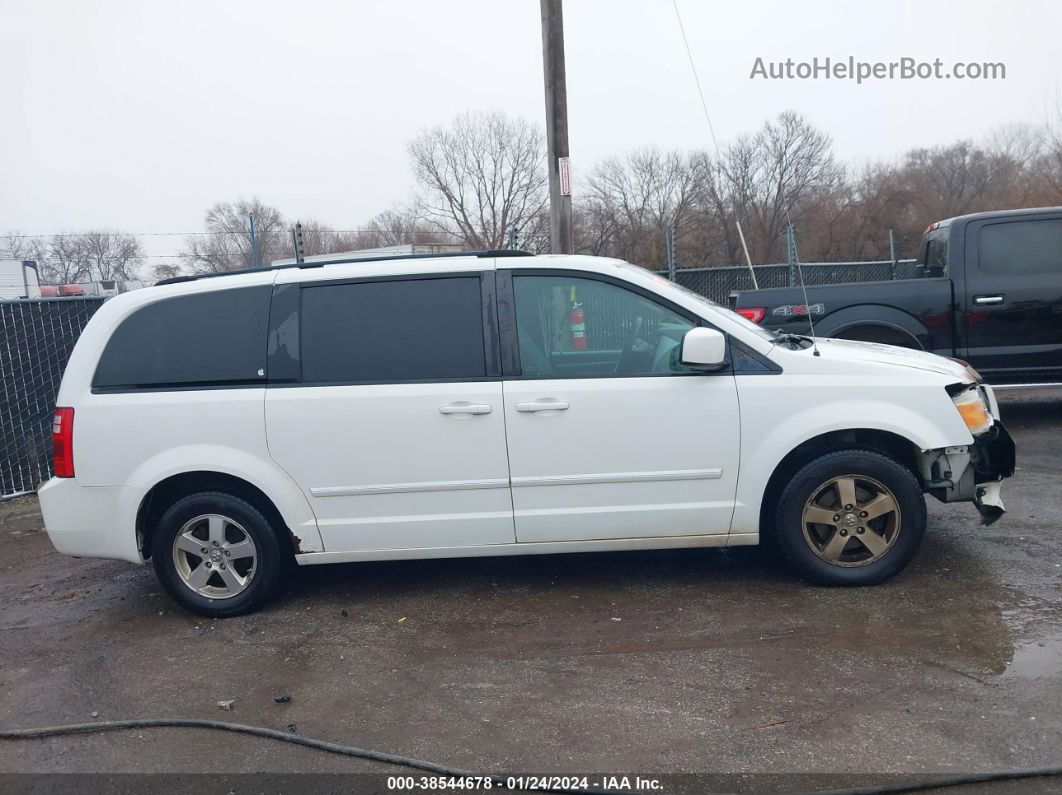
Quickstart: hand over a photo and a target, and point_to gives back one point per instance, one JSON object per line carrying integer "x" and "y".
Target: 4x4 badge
{"x": 811, "y": 309}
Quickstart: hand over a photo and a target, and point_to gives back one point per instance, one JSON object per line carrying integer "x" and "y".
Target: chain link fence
{"x": 718, "y": 283}
{"x": 36, "y": 338}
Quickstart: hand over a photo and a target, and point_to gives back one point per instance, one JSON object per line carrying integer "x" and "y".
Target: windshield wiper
{"x": 796, "y": 341}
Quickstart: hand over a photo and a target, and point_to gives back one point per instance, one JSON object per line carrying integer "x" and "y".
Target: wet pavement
{"x": 686, "y": 661}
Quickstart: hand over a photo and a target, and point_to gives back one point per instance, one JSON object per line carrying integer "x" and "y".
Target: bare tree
{"x": 1008, "y": 170}
{"x": 393, "y": 227}
{"x": 534, "y": 233}
{"x": 631, "y": 203}
{"x": 709, "y": 235}
{"x": 15, "y": 245}
{"x": 319, "y": 238}
{"x": 1050, "y": 161}
{"x": 949, "y": 180}
{"x": 65, "y": 260}
{"x": 400, "y": 225}
{"x": 787, "y": 169}
{"x": 481, "y": 177}
{"x": 166, "y": 271}
{"x": 778, "y": 174}
{"x": 80, "y": 257}
{"x": 112, "y": 255}
{"x": 226, "y": 244}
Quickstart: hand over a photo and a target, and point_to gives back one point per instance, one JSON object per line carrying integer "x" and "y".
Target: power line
{"x": 188, "y": 234}
{"x": 715, "y": 141}
{"x": 696, "y": 78}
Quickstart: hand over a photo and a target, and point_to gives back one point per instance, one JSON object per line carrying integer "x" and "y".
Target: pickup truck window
{"x": 1020, "y": 247}
{"x": 936, "y": 251}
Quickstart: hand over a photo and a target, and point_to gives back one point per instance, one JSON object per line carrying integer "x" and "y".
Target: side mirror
{"x": 704, "y": 349}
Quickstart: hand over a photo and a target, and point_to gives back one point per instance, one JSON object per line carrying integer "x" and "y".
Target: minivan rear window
{"x": 206, "y": 339}
{"x": 392, "y": 330}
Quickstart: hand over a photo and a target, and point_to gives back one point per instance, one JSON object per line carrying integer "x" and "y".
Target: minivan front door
{"x": 392, "y": 423}
{"x": 609, "y": 435}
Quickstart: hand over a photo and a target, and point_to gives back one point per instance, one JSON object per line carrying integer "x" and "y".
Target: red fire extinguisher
{"x": 577, "y": 322}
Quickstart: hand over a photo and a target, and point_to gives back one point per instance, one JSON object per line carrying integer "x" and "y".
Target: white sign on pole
{"x": 565, "y": 176}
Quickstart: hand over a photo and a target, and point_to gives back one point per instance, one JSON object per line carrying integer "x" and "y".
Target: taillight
{"x": 63, "y": 443}
{"x": 755, "y": 314}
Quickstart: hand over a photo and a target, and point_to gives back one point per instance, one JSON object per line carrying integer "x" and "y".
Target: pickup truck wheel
{"x": 216, "y": 555}
{"x": 853, "y": 517}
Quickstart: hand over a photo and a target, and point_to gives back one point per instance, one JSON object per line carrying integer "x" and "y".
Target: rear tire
{"x": 217, "y": 555}
{"x": 852, "y": 517}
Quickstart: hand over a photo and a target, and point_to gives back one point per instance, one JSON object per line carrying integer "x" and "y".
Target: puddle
{"x": 1036, "y": 659}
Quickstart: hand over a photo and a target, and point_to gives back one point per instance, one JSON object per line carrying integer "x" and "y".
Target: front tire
{"x": 217, "y": 555}
{"x": 852, "y": 517}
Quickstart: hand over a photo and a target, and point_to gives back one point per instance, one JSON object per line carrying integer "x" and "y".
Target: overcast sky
{"x": 139, "y": 115}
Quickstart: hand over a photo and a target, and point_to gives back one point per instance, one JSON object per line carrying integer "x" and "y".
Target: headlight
{"x": 973, "y": 411}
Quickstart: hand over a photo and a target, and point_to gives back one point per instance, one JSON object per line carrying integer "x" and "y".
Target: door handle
{"x": 543, "y": 405}
{"x": 988, "y": 300}
{"x": 460, "y": 407}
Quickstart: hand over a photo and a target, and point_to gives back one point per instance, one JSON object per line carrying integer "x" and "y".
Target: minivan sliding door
{"x": 391, "y": 417}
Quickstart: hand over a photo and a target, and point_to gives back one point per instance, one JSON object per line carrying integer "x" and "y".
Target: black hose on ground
{"x": 938, "y": 782}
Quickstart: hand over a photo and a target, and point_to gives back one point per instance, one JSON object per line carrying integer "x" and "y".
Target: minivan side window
{"x": 1019, "y": 247}
{"x": 570, "y": 327}
{"x": 202, "y": 340}
{"x": 418, "y": 329}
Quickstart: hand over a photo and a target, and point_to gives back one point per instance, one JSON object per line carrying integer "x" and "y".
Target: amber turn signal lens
{"x": 973, "y": 411}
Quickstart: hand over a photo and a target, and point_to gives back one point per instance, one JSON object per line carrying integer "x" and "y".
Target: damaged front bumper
{"x": 972, "y": 473}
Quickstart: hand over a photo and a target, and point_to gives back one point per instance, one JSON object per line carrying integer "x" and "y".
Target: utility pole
{"x": 892, "y": 256}
{"x": 669, "y": 242}
{"x": 560, "y": 192}
{"x": 254, "y": 242}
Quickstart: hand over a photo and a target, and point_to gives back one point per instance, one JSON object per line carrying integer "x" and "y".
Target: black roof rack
{"x": 502, "y": 252}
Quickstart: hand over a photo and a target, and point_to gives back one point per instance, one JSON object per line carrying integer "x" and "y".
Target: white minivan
{"x": 492, "y": 403}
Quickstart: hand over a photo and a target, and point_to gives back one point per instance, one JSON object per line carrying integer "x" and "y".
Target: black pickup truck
{"x": 989, "y": 292}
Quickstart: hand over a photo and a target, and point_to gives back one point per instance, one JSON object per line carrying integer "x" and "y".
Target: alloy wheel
{"x": 851, "y": 520}
{"x": 215, "y": 556}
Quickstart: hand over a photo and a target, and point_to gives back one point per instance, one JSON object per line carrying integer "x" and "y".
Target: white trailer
{"x": 19, "y": 279}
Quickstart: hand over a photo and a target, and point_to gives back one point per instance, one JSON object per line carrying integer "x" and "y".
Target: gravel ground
{"x": 695, "y": 662}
